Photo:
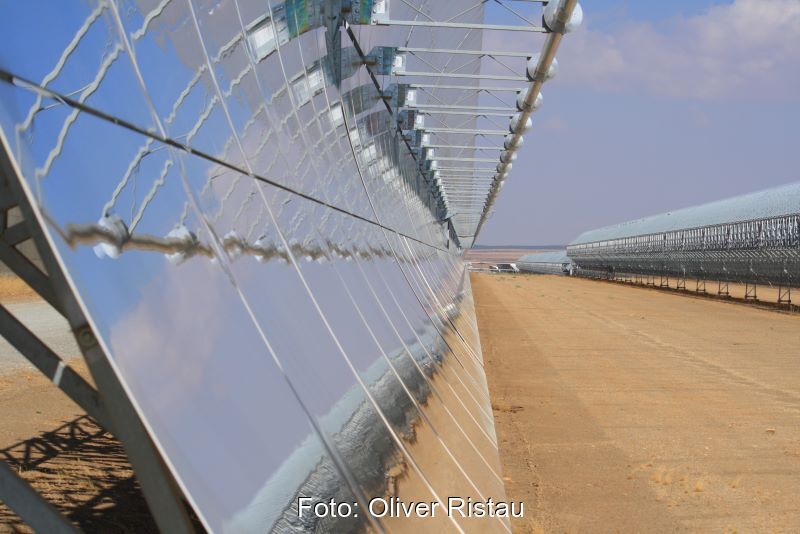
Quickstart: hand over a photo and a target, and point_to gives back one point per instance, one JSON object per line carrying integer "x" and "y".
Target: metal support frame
{"x": 18, "y": 495}
{"x": 461, "y": 25}
{"x": 664, "y": 281}
{"x": 461, "y": 187}
{"x": 466, "y": 113}
{"x": 557, "y": 28}
{"x": 750, "y": 291}
{"x": 722, "y": 288}
{"x": 465, "y": 76}
{"x": 472, "y": 160}
{"x": 469, "y": 131}
{"x": 680, "y": 283}
{"x": 700, "y": 285}
{"x": 457, "y": 52}
{"x": 108, "y": 404}
{"x": 467, "y": 147}
{"x": 785, "y": 295}
{"x": 467, "y": 171}
{"x": 763, "y": 250}
{"x": 476, "y": 108}
{"x": 467, "y": 178}
{"x": 509, "y": 89}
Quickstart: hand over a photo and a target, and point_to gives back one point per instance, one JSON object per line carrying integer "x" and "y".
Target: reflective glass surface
{"x": 252, "y": 241}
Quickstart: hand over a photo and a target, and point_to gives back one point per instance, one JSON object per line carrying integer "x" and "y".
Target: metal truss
{"x": 453, "y": 135}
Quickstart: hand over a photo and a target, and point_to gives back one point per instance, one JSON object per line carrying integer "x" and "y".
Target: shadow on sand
{"x": 84, "y": 472}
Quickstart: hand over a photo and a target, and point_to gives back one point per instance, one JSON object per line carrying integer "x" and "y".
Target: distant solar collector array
{"x": 753, "y": 238}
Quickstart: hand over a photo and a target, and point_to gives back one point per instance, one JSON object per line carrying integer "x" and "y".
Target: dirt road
{"x": 623, "y": 409}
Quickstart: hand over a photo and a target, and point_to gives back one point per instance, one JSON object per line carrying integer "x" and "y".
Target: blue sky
{"x": 658, "y": 105}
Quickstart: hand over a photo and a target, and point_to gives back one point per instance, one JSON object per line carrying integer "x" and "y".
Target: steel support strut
{"x": 750, "y": 291}
{"x": 109, "y": 405}
{"x": 785, "y": 295}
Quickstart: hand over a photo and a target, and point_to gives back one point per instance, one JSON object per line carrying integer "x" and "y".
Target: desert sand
{"x": 627, "y": 409}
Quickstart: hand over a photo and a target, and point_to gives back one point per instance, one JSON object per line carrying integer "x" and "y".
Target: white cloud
{"x": 747, "y": 49}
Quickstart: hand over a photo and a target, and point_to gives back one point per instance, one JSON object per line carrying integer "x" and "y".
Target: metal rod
{"x": 462, "y": 87}
{"x": 470, "y": 113}
{"x": 465, "y": 131}
{"x": 461, "y": 25}
{"x": 470, "y": 172}
{"x": 466, "y": 147}
{"x": 51, "y": 366}
{"x": 480, "y": 160}
{"x": 467, "y": 181}
{"x": 27, "y": 503}
{"x": 451, "y": 51}
{"x": 468, "y": 169}
{"x": 475, "y": 107}
{"x": 465, "y": 76}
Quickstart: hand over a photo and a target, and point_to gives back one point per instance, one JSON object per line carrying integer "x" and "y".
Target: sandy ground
{"x": 625, "y": 409}
{"x": 49, "y": 440}
{"x": 76, "y": 465}
{"x": 14, "y": 289}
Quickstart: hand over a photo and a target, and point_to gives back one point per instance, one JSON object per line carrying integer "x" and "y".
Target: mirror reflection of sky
{"x": 258, "y": 377}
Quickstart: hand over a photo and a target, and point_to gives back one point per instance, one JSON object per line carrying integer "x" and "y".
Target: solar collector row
{"x": 752, "y": 238}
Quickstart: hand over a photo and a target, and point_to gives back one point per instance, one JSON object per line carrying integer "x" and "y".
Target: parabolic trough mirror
{"x": 253, "y": 216}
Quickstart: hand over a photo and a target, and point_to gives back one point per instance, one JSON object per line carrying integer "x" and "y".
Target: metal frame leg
{"x": 700, "y": 285}
{"x": 750, "y": 291}
{"x": 26, "y": 502}
{"x": 108, "y": 404}
{"x": 722, "y": 288}
{"x": 785, "y": 295}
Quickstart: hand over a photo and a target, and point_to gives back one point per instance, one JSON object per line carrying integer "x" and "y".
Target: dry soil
{"x": 625, "y": 409}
